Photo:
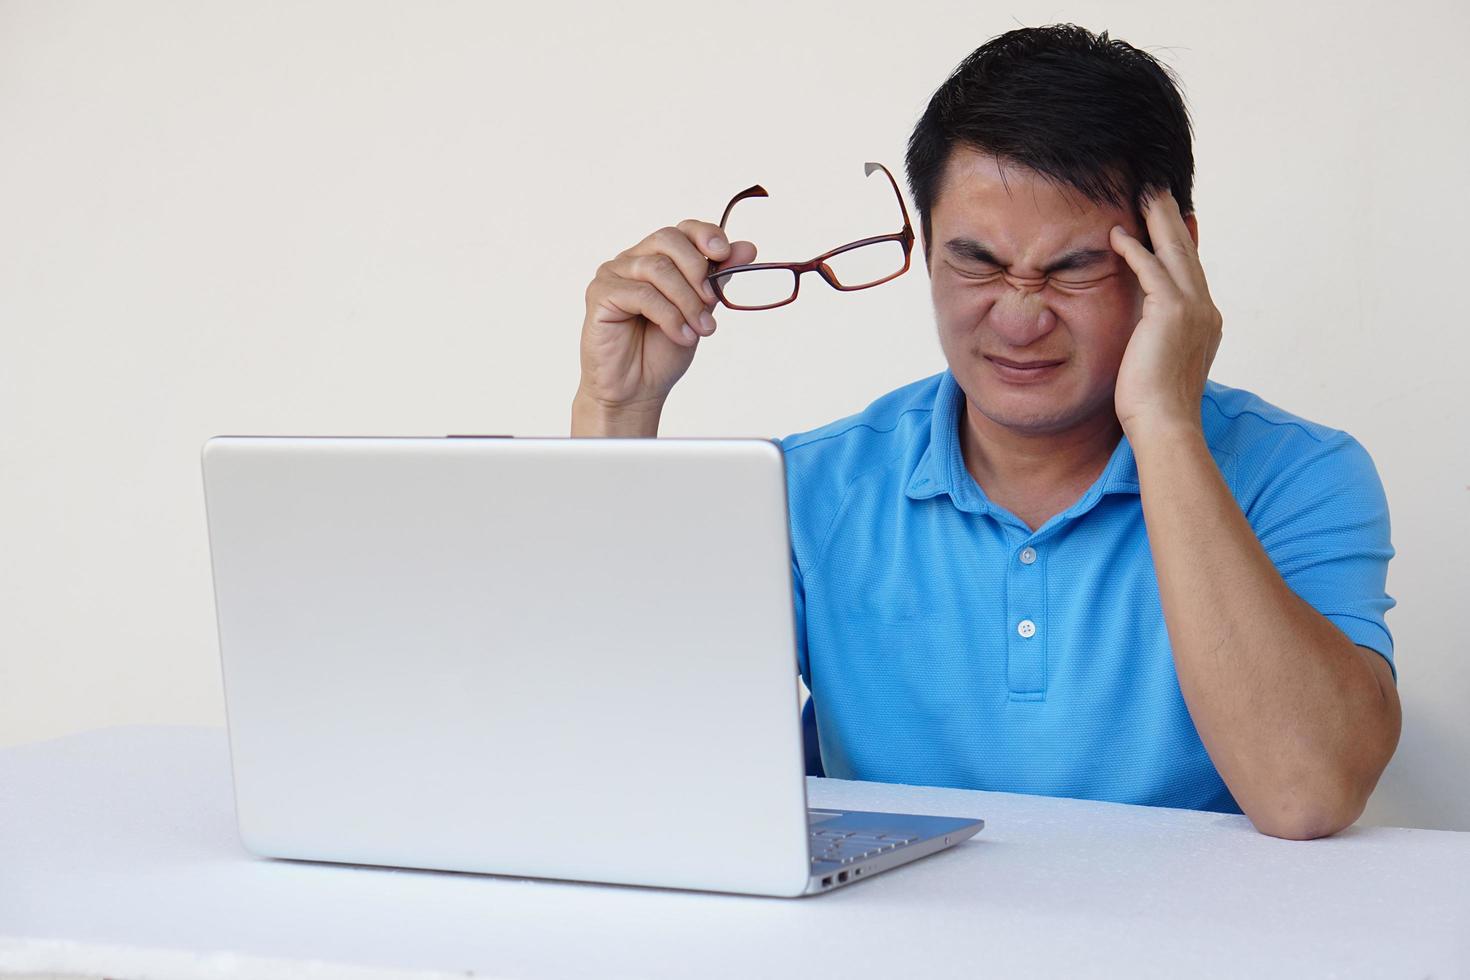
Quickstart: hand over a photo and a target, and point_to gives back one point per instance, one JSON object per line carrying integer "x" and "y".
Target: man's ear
{"x": 1192, "y": 224}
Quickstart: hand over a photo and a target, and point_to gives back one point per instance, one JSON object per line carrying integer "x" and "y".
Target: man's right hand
{"x": 647, "y": 309}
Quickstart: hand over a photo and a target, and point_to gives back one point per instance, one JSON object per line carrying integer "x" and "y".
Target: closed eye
{"x": 979, "y": 271}
{"x": 1076, "y": 281}
{"x": 1081, "y": 283}
{"x": 981, "y": 276}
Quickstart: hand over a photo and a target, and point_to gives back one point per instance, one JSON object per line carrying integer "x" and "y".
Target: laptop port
{"x": 841, "y": 877}
{"x": 827, "y": 882}
{"x": 856, "y": 872}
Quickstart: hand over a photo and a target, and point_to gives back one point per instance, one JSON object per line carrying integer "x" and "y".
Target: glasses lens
{"x": 867, "y": 264}
{"x": 758, "y": 287}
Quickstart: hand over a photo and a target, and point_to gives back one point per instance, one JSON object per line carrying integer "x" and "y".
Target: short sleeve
{"x": 1323, "y": 519}
{"x": 798, "y": 589}
{"x": 798, "y": 603}
{"x": 811, "y": 750}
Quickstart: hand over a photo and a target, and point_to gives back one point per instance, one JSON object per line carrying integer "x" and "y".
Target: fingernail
{"x": 688, "y": 333}
{"x": 708, "y": 322}
{"x": 717, "y": 241}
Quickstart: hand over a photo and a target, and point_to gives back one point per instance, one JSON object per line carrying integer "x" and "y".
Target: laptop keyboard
{"x": 845, "y": 847}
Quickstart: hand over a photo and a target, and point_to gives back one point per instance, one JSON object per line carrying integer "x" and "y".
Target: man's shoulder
{"x": 1266, "y": 441}
{"x": 890, "y": 416}
{"x": 879, "y": 419}
{"x": 1239, "y": 421}
{"x": 1235, "y": 414}
{"x": 880, "y": 442}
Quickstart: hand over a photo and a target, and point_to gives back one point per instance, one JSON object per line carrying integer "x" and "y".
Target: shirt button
{"x": 1028, "y": 556}
{"x": 1026, "y": 628}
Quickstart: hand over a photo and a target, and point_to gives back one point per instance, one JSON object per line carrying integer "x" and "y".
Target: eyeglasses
{"x": 856, "y": 265}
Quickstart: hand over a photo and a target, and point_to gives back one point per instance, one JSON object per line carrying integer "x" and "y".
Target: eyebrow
{"x": 968, "y": 248}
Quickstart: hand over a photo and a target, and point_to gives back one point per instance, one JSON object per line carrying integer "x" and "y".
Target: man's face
{"x": 1021, "y": 272}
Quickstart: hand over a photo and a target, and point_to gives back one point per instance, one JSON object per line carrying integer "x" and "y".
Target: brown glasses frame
{"x": 818, "y": 264}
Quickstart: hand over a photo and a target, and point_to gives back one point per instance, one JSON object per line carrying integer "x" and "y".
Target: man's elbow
{"x": 1307, "y": 814}
{"x": 1319, "y": 798}
{"x": 1305, "y": 823}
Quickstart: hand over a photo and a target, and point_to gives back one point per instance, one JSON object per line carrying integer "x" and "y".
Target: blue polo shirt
{"x": 946, "y": 644}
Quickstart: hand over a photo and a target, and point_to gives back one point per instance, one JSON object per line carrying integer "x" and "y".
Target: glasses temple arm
{"x": 756, "y": 190}
{"x": 868, "y": 169}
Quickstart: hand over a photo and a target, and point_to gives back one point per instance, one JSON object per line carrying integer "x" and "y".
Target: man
{"x": 1070, "y": 564}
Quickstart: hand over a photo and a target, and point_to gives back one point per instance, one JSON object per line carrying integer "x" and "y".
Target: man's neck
{"x": 1037, "y": 473}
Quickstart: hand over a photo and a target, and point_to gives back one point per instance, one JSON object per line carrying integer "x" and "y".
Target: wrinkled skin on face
{"x": 1017, "y": 305}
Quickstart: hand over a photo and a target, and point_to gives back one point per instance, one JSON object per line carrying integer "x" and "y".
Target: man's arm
{"x": 1298, "y": 719}
{"x": 591, "y": 419}
{"x": 647, "y": 309}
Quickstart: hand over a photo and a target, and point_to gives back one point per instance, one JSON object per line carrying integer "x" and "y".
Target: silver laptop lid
{"x": 547, "y": 657}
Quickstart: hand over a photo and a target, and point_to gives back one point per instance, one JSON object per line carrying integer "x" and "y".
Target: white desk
{"x": 118, "y": 856}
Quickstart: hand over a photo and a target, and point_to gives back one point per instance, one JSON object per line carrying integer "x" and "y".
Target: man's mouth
{"x": 1022, "y": 365}
{"x": 1023, "y": 372}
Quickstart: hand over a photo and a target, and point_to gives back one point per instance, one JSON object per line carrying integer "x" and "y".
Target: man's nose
{"x": 1020, "y": 315}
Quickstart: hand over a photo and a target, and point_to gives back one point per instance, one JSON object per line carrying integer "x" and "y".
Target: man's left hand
{"x": 1162, "y": 377}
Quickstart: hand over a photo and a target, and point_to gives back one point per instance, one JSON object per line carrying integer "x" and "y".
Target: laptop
{"x": 552, "y": 658}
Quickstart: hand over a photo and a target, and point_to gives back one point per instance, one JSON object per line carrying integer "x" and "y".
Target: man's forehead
{"x": 983, "y": 194}
{"x": 968, "y": 230}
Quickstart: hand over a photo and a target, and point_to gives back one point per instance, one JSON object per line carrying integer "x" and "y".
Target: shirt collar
{"x": 941, "y": 466}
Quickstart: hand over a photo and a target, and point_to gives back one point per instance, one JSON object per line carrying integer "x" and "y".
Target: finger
{"x": 708, "y": 237}
{"x": 1191, "y": 249}
{"x": 721, "y": 252}
{"x": 741, "y": 253}
{"x": 1171, "y": 239}
{"x": 691, "y": 246}
{"x": 635, "y": 298}
{"x": 663, "y": 272}
{"x": 1152, "y": 275}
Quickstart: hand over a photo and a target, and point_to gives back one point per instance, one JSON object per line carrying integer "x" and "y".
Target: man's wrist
{"x": 593, "y": 418}
{"x": 1164, "y": 428}
{"x": 1164, "y": 440}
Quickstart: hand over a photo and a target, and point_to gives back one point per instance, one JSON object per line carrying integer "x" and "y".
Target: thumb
{"x": 740, "y": 254}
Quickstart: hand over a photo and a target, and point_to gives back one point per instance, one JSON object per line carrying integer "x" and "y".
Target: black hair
{"x": 1086, "y": 111}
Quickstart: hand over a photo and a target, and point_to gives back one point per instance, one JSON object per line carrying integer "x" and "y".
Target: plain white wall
{"x": 370, "y": 218}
